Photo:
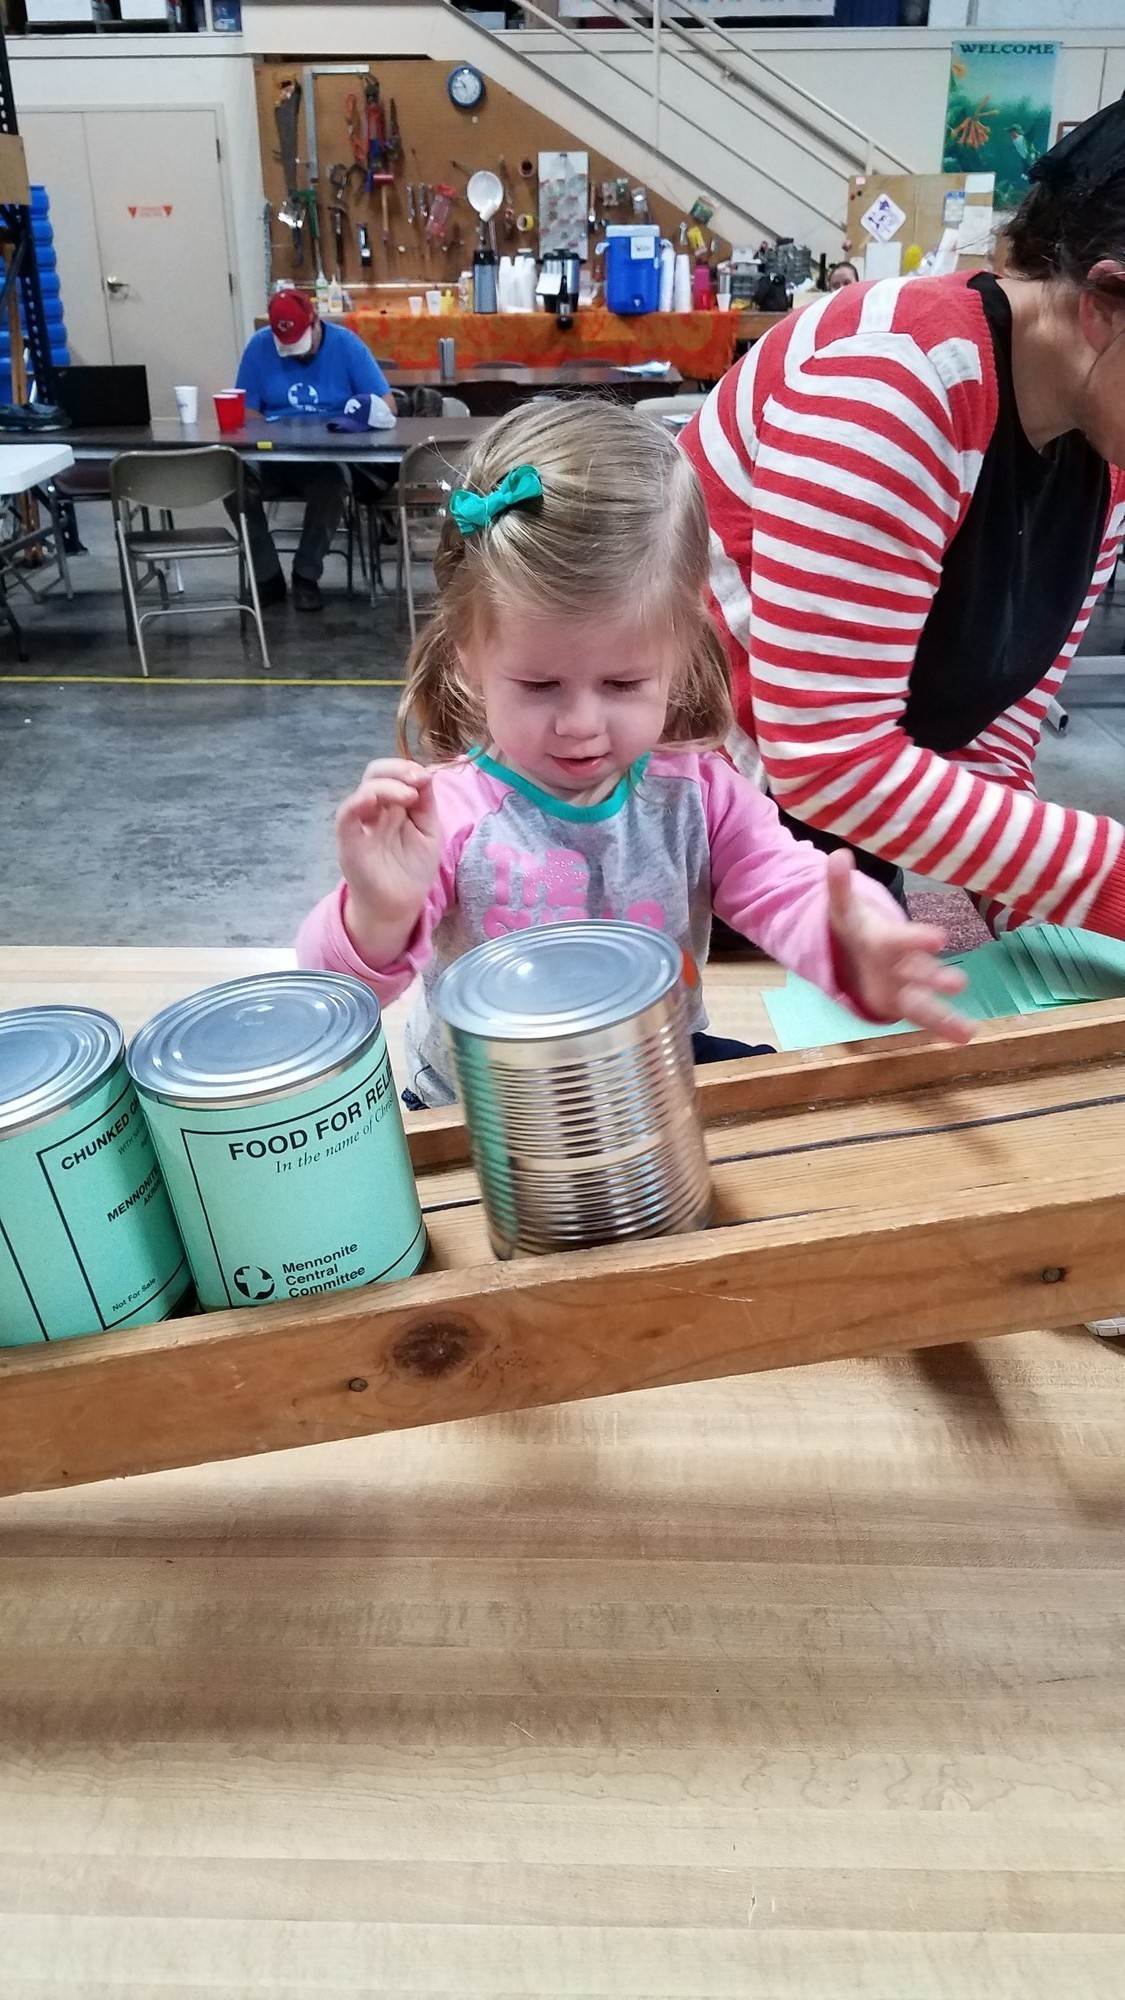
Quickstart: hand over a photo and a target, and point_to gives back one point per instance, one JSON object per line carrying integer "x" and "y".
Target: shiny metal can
{"x": 87, "y": 1237}
{"x": 573, "y": 1056}
{"x": 277, "y": 1122}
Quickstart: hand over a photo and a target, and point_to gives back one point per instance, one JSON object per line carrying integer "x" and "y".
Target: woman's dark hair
{"x": 1073, "y": 215}
{"x": 1063, "y": 231}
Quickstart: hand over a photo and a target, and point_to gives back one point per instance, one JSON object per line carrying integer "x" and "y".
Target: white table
{"x": 29, "y": 468}
{"x": 24, "y": 466}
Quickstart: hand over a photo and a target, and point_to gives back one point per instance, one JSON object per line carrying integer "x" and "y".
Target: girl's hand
{"x": 892, "y": 968}
{"x": 389, "y": 842}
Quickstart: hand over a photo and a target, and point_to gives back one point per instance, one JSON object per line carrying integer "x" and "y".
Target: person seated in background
{"x": 298, "y": 366}
{"x": 841, "y": 275}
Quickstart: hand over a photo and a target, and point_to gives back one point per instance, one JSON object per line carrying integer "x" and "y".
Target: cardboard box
{"x": 14, "y": 184}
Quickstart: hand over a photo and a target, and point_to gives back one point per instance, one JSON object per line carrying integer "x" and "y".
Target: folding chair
{"x": 672, "y": 411}
{"x": 425, "y": 477}
{"x": 378, "y": 511}
{"x": 174, "y": 480}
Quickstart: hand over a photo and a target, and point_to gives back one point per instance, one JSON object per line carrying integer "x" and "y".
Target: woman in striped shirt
{"x": 916, "y": 496}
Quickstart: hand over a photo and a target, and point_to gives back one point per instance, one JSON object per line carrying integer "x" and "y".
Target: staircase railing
{"x": 509, "y": 43}
{"x": 834, "y": 156}
{"x": 667, "y": 40}
{"x": 868, "y": 148}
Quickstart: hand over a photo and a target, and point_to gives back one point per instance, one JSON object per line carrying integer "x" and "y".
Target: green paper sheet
{"x": 1035, "y": 968}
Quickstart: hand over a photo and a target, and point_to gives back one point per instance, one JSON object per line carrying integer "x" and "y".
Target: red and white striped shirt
{"x": 838, "y": 459}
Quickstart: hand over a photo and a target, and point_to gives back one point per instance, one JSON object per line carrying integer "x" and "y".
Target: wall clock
{"x": 465, "y": 86}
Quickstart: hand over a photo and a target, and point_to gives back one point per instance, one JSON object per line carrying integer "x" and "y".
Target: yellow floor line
{"x": 175, "y": 680}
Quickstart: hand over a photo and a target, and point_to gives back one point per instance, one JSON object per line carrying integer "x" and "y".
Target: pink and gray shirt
{"x": 682, "y": 835}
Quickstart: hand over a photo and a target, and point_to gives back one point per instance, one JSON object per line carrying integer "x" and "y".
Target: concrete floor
{"x": 185, "y": 812}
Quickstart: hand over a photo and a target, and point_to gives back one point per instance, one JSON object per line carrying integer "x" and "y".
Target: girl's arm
{"x": 399, "y": 837}
{"x": 816, "y": 915}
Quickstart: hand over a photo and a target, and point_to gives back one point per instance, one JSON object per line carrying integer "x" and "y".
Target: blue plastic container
{"x": 632, "y": 268}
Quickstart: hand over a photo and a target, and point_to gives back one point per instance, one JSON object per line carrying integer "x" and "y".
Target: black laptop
{"x": 103, "y": 398}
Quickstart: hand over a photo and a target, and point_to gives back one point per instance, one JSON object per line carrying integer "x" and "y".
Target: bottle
{"x": 702, "y": 296}
{"x": 484, "y": 281}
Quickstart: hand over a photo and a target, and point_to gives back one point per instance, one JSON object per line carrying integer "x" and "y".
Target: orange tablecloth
{"x": 699, "y": 344}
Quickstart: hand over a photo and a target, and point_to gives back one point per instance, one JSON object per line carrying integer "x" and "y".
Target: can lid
{"x": 256, "y": 1037}
{"x": 566, "y": 979}
{"x": 48, "y": 1057}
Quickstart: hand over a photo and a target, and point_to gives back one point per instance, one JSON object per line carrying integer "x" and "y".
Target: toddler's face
{"x": 571, "y": 707}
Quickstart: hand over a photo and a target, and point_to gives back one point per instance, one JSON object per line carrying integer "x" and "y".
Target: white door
{"x": 55, "y": 142}
{"x": 141, "y": 228}
{"x": 162, "y": 235}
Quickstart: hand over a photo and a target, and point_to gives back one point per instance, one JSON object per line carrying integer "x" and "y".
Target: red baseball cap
{"x": 292, "y": 319}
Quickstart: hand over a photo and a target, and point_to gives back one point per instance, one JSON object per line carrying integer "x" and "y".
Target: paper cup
{"x": 433, "y": 303}
{"x": 230, "y": 409}
{"x": 187, "y": 403}
{"x": 416, "y": 304}
{"x": 723, "y": 303}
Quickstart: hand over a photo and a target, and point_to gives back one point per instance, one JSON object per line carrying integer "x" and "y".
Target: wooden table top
{"x": 806, "y": 1686}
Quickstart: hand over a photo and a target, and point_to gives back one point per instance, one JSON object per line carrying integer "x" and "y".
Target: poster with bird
{"x": 998, "y": 112}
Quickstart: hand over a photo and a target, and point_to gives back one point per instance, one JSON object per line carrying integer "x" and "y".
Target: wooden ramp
{"x": 869, "y": 1198}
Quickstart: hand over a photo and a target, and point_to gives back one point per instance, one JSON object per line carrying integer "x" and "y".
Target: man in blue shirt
{"x": 298, "y": 366}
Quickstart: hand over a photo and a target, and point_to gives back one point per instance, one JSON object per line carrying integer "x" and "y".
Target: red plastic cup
{"x": 230, "y": 409}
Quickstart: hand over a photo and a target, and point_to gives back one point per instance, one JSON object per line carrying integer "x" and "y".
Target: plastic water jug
{"x": 632, "y": 268}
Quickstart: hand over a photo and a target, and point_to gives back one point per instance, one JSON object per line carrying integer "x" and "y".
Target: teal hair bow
{"x": 473, "y": 511}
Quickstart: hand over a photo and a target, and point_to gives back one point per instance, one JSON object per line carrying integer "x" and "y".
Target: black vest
{"x": 1014, "y": 576}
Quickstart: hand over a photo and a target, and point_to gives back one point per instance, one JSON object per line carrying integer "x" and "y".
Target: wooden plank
{"x": 463, "y": 1343}
{"x": 849, "y": 1072}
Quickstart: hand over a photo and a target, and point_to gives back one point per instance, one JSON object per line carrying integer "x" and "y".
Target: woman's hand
{"x": 389, "y": 842}
{"x": 892, "y": 968}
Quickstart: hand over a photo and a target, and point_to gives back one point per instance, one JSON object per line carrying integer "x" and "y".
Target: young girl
{"x": 570, "y": 690}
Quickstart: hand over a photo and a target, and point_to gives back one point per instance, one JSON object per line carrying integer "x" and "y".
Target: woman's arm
{"x": 861, "y": 475}
{"x": 1007, "y": 749}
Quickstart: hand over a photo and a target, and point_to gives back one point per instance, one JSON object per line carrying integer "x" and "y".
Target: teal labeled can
{"x": 277, "y": 1123}
{"x": 87, "y": 1237}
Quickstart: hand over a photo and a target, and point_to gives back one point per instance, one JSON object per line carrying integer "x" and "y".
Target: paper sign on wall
{"x": 156, "y": 211}
{"x": 882, "y": 260}
{"x": 883, "y": 219}
{"x": 974, "y": 232}
{"x": 998, "y": 113}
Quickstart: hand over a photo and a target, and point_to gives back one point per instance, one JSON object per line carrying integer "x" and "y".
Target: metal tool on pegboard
{"x": 286, "y": 112}
{"x": 380, "y": 171}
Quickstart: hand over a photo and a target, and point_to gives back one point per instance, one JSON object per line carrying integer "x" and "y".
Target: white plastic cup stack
{"x": 667, "y": 274}
{"x": 681, "y": 285}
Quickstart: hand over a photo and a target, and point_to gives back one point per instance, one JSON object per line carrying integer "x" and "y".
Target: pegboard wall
{"x": 439, "y": 144}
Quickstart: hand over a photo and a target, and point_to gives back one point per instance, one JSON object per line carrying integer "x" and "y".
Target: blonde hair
{"x": 621, "y": 521}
